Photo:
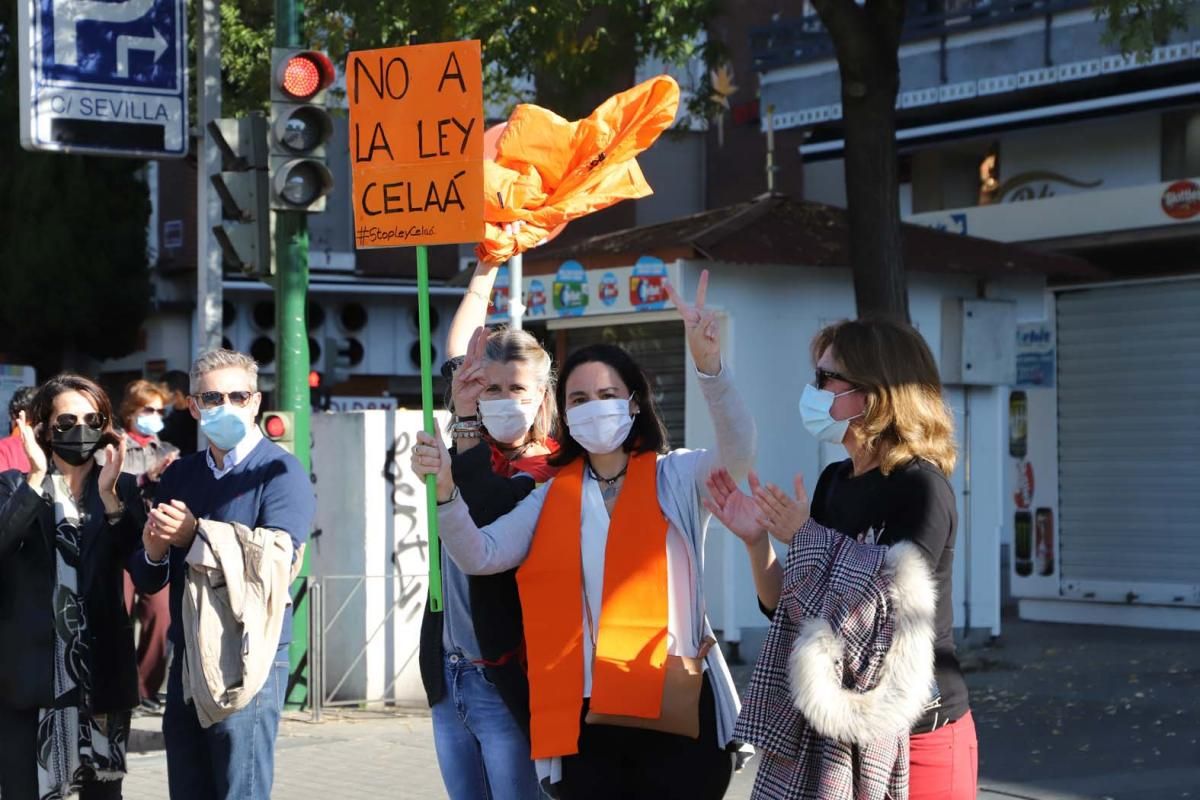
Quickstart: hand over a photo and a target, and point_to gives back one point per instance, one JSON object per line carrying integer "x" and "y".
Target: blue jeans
{"x": 235, "y": 758}
{"x": 481, "y": 751}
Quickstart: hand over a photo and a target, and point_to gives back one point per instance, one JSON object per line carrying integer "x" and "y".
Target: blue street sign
{"x": 104, "y": 76}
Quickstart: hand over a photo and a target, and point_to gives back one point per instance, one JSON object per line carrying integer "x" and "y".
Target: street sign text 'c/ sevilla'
{"x": 416, "y": 144}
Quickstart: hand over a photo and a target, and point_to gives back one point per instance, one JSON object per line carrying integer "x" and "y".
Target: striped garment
{"x": 846, "y": 668}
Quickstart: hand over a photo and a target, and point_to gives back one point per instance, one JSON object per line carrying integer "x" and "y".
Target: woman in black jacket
{"x": 68, "y": 677}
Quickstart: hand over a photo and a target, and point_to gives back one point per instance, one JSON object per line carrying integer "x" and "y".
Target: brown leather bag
{"x": 680, "y": 701}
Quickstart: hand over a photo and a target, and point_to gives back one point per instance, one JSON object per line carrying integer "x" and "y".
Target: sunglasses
{"x": 214, "y": 399}
{"x": 65, "y": 422}
{"x": 152, "y": 410}
{"x": 824, "y": 376}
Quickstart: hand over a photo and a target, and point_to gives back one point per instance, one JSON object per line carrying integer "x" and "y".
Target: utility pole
{"x": 208, "y": 205}
{"x": 291, "y": 379}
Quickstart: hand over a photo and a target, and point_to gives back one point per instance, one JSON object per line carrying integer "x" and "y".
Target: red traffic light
{"x": 305, "y": 74}
{"x": 275, "y": 426}
{"x": 314, "y": 380}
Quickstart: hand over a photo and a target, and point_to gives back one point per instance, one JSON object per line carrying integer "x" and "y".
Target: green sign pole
{"x": 292, "y": 360}
{"x": 435, "y": 548}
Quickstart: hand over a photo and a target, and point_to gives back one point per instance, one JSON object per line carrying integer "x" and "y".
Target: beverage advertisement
{"x": 1032, "y": 438}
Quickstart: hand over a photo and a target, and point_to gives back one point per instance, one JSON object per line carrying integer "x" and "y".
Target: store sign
{"x": 1181, "y": 200}
{"x": 362, "y": 403}
{"x": 575, "y": 291}
{"x": 1148, "y": 206}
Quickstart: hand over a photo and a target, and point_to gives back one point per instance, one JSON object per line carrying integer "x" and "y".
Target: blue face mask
{"x": 224, "y": 425}
{"x": 148, "y": 424}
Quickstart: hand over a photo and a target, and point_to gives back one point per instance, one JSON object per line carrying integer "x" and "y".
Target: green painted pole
{"x": 292, "y": 360}
{"x": 435, "y": 546}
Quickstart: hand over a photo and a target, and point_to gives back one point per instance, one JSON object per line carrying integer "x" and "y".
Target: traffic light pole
{"x": 292, "y": 360}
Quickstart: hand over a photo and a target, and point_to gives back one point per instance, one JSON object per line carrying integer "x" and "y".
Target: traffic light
{"x": 245, "y": 232}
{"x": 279, "y": 427}
{"x": 340, "y": 356}
{"x": 300, "y": 127}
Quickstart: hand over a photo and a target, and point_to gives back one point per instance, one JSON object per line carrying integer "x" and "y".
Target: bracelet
{"x": 480, "y": 295}
{"x": 469, "y": 418}
{"x": 113, "y": 517}
{"x": 453, "y": 497}
{"x": 466, "y": 434}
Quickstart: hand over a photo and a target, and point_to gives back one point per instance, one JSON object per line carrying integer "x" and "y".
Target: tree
{"x": 73, "y": 267}
{"x": 866, "y": 40}
{"x": 573, "y": 52}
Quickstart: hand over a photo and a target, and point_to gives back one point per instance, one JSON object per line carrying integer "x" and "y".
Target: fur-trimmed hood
{"x": 903, "y": 680}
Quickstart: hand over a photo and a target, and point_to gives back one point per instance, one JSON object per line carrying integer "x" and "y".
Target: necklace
{"x": 608, "y": 486}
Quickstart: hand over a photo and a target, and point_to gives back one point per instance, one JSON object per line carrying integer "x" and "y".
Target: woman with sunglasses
{"x": 68, "y": 678}
{"x": 876, "y": 392}
{"x": 502, "y": 397}
{"x": 628, "y": 696}
{"x": 146, "y": 458}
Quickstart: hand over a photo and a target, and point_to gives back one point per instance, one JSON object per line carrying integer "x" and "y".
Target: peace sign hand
{"x": 469, "y": 380}
{"x": 701, "y": 326}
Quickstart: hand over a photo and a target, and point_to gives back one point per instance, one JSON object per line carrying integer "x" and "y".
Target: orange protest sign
{"x": 416, "y": 144}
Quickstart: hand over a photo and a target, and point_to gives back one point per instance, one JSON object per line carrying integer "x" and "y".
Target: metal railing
{"x": 323, "y": 695}
{"x": 803, "y": 40}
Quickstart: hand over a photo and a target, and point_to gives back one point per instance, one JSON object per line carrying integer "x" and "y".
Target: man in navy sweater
{"x": 239, "y": 477}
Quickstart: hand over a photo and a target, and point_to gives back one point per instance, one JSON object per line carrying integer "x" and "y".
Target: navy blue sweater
{"x": 269, "y": 489}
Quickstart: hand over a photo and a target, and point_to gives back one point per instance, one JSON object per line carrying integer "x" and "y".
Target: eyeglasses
{"x": 214, "y": 399}
{"x": 152, "y": 410}
{"x": 824, "y": 376}
{"x": 64, "y": 422}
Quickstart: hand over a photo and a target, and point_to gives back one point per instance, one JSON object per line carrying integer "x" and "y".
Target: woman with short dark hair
{"x": 629, "y": 697}
{"x": 68, "y": 679}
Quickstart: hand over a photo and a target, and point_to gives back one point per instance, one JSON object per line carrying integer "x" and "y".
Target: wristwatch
{"x": 453, "y": 497}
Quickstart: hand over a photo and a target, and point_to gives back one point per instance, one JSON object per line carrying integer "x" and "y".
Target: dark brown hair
{"x": 43, "y": 406}
{"x": 649, "y": 434}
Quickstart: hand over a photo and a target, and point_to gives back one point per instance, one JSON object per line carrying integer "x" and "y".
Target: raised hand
{"x": 114, "y": 459}
{"x": 33, "y": 451}
{"x": 430, "y": 457}
{"x": 781, "y": 515}
{"x": 701, "y": 326}
{"x": 469, "y": 380}
{"x": 736, "y": 510}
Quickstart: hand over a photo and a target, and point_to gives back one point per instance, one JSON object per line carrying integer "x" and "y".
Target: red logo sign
{"x": 1181, "y": 200}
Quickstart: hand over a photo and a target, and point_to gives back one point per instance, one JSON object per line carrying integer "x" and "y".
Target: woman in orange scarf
{"x": 610, "y": 572}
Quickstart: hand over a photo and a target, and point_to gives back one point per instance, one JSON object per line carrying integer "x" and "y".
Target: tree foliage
{"x": 1137, "y": 26}
{"x": 73, "y": 271}
{"x": 569, "y": 48}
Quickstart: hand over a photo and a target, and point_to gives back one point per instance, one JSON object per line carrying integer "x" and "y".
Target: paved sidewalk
{"x": 1063, "y": 712}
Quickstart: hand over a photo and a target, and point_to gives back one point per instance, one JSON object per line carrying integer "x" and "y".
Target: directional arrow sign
{"x": 104, "y": 76}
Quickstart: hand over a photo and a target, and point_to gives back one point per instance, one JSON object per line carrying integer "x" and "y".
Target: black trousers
{"x": 633, "y": 763}
{"x": 18, "y": 760}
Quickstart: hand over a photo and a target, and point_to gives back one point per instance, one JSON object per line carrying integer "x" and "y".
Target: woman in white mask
{"x": 502, "y": 396}
{"x": 876, "y": 391}
{"x": 628, "y": 696}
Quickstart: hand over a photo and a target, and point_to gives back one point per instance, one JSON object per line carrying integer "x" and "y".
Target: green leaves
{"x": 1138, "y": 26}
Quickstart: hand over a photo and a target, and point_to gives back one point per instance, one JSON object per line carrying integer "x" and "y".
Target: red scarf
{"x": 140, "y": 438}
{"x": 535, "y": 466}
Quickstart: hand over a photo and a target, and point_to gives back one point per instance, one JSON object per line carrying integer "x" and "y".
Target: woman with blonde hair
{"x": 472, "y": 652}
{"x": 876, "y": 391}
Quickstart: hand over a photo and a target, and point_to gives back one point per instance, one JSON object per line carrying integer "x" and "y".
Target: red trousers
{"x": 944, "y": 765}
{"x": 154, "y": 613}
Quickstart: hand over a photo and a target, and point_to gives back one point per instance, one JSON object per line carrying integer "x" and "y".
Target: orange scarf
{"x": 631, "y": 642}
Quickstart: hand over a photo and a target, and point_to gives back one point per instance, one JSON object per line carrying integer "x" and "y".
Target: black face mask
{"x": 76, "y": 446}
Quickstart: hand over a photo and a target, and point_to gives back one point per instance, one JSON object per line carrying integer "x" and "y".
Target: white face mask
{"x": 508, "y": 419}
{"x": 814, "y": 412}
{"x": 601, "y": 426}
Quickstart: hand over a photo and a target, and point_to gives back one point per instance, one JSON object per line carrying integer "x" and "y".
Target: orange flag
{"x": 548, "y": 171}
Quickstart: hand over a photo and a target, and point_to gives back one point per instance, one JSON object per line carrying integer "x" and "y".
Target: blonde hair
{"x": 906, "y": 416}
{"x": 507, "y": 344}
{"x": 137, "y": 394}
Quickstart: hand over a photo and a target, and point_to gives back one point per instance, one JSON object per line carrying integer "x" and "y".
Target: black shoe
{"x": 150, "y": 705}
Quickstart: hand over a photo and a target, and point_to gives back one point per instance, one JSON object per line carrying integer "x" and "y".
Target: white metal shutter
{"x": 660, "y": 348}
{"x": 1129, "y": 442}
